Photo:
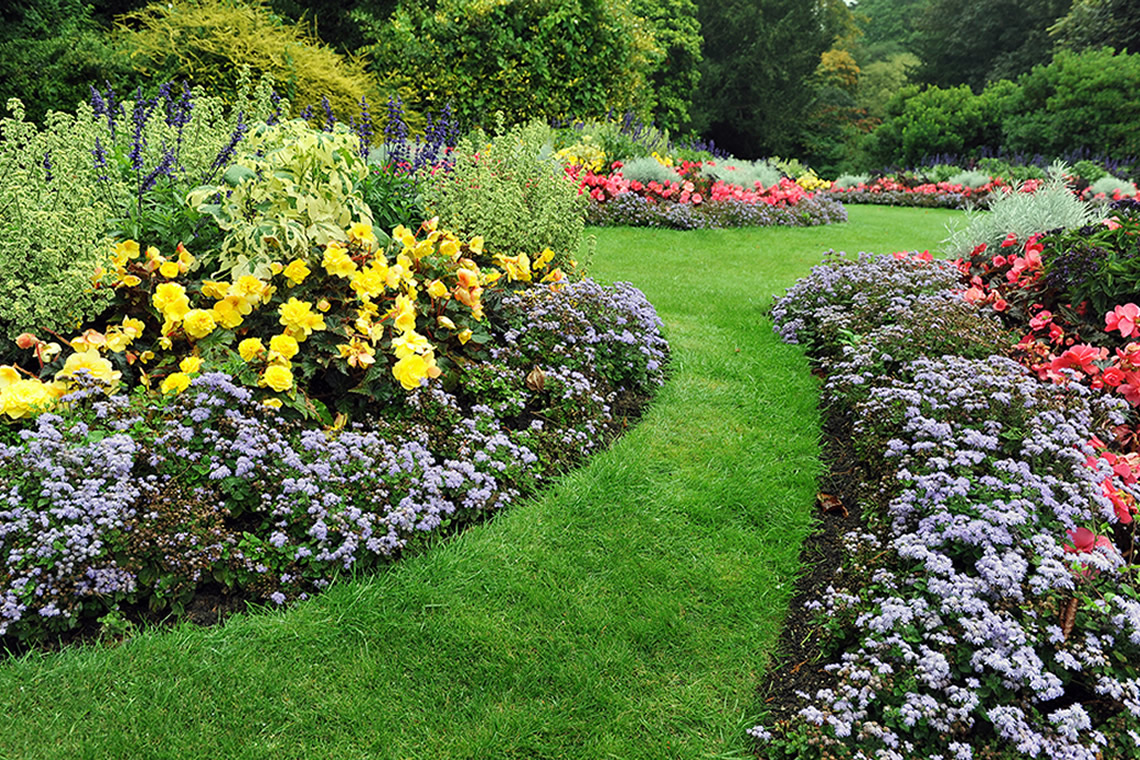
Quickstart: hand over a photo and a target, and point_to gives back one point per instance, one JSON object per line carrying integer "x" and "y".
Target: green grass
{"x": 625, "y": 612}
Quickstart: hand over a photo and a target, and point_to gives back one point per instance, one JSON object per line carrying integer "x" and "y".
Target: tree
{"x": 984, "y": 40}
{"x": 889, "y": 26}
{"x": 674, "y": 77}
{"x": 1092, "y": 24}
{"x": 759, "y": 60}
{"x": 526, "y": 58}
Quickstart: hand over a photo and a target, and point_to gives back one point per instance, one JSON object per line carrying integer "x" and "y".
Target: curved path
{"x": 623, "y": 613}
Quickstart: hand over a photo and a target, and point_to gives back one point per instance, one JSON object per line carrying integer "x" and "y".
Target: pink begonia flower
{"x": 973, "y": 295}
{"x": 1113, "y": 376}
{"x": 999, "y": 261}
{"x": 1080, "y": 357}
{"x": 1010, "y": 239}
{"x": 1119, "y": 504}
{"x": 1043, "y": 318}
{"x": 1000, "y": 304}
{"x": 1112, "y": 223}
{"x": 1084, "y": 540}
{"x": 1123, "y": 318}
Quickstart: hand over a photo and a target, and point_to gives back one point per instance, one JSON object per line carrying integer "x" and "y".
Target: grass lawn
{"x": 625, "y": 612}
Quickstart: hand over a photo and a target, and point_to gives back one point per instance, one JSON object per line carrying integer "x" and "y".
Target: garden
{"x": 339, "y": 417}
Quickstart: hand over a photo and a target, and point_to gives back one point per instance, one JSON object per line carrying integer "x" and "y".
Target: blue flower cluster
{"x": 120, "y": 503}
{"x": 978, "y": 627}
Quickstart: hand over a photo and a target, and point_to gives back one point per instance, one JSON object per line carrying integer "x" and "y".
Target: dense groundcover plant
{"x": 990, "y": 606}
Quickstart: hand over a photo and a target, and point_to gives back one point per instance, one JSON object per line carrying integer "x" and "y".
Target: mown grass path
{"x": 625, "y": 612}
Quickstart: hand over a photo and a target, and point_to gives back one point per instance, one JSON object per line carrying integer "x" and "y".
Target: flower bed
{"x": 267, "y": 391}
{"x": 894, "y": 191}
{"x": 989, "y": 606}
{"x": 117, "y": 504}
{"x": 696, "y": 201}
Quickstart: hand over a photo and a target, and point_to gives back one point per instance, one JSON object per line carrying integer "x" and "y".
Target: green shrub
{"x": 617, "y": 140}
{"x": 52, "y": 228}
{"x": 846, "y": 181}
{"x": 56, "y": 229}
{"x": 970, "y": 179}
{"x": 744, "y": 173}
{"x": 527, "y": 58}
{"x": 1089, "y": 171}
{"x": 1086, "y": 101}
{"x": 51, "y": 51}
{"x": 293, "y": 188}
{"x": 513, "y": 192}
{"x": 1109, "y": 185}
{"x": 995, "y": 167}
{"x": 209, "y": 41}
{"x": 1052, "y": 206}
{"x": 941, "y": 172}
{"x": 646, "y": 170}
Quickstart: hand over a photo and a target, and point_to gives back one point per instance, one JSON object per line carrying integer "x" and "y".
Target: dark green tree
{"x": 759, "y": 59}
{"x": 1092, "y": 24}
{"x": 674, "y": 77}
{"x": 981, "y": 41}
{"x": 889, "y": 26}
{"x": 51, "y": 52}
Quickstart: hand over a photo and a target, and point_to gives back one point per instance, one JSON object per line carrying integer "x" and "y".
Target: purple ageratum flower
{"x": 330, "y": 118}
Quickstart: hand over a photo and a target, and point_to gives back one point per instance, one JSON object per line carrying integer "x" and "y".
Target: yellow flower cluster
{"x": 583, "y": 154}
{"x": 408, "y": 300}
{"x": 663, "y": 160}
{"x": 811, "y": 182}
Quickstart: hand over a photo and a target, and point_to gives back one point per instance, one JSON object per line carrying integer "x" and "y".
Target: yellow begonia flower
{"x": 323, "y": 305}
{"x": 132, "y": 281}
{"x": 475, "y": 245}
{"x": 251, "y": 348}
{"x": 284, "y": 345}
{"x": 169, "y": 270}
{"x": 278, "y": 378}
{"x": 190, "y": 364}
{"x": 337, "y": 262}
{"x": 437, "y": 289}
{"x": 198, "y": 323}
{"x": 445, "y": 322}
{"x": 362, "y": 231}
{"x": 128, "y": 249}
{"x": 357, "y": 352}
{"x": 299, "y": 318}
{"x": 297, "y": 271}
{"x": 117, "y": 341}
{"x": 450, "y": 248}
{"x": 8, "y": 375}
{"x": 216, "y": 290}
{"x": 170, "y": 299}
{"x": 410, "y": 343}
{"x": 252, "y": 290}
{"x": 370, "y": 282}
{"x": 410, "y": 371}
{"x": 228, "y": 312}
{"x": 23, "y": 397}
{"x": 175, "y": 383}
{"x": 275, "y": 267}
{"x": 464, "y": 336}
{"x": 146, "y": 356}
{"x": 133, "y": 327}
{"x": 404, "y": 313}
{"x": 89, "y": 360}
{"x": 272, "y": 403}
